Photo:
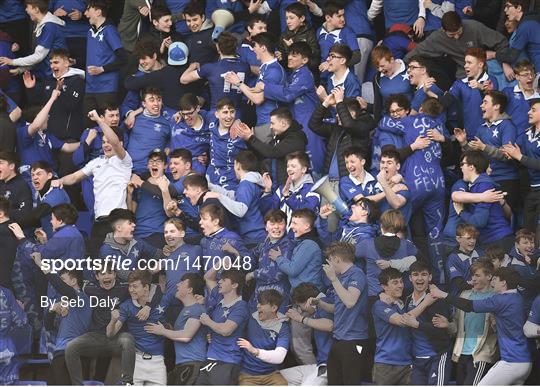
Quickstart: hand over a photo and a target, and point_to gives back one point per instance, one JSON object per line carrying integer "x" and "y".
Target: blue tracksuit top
{"x": 488, "y": 218}
{"x": 497, "y": 134}
{"x": 305, "y": 263}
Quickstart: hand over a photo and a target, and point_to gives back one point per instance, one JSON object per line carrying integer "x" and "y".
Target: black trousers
{"x": 348, "y": 362}
{"x": 100, "y": 229}
{"x": 531, "y": 209}
{"x": 468, "y": 373}
{"x": 214, "y": 373}
{"x": 58, "y": 372}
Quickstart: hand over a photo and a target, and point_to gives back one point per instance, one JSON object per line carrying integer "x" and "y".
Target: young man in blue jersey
{"x": 180, "y": 255}
{"x": 431, "y": 345}
{"x": 424, "y": 85}
{"x": 187, "y": 333}
{"x": 495, "y": 132}
{"x": 48, "y": 36}
{"x": 226, "y": 321}
{"x": 215, "y": 72}
{"x": 45, "y": 196}
{"x": 469, "y": 91}
{"x": 266, "y": 342}
{"x": 220, "y": 243}
{"x": 337, "y": 62}
{"x": 393, "y": 354}
{"x": 360, "y": 224}
{"x": 224, "y": 146}
{"x": 151, "y": 130}
{"x": 475, "y": 349}
{"x": 459, "y": 261}
{"x": 299, "y": 93}
{"x": 34, "y": 141}
{"x": 121, "y": 245}
{"x": 190, "y": 131}
{"x": 527, "y": 152}
{"x": 389, "y": 132}
{"x": 188, "y": 208}
{"x": 349, "y": 354}
{"x": 149, "y": 359}
{"x": 392, "y": 78}
{"x": 304, "y": 263}
{"x": 105, "y": 56}
{"x": 525, "y": 38}
{"x": 296, "y": 192}
{"x": 288, "y": 137}
{"x": 149, "y": 208}
{"x": 334, "y": 31}
{"x": 318, "y": 324}
{"x": 12, "y": 316}
{"x": 487, "y": 217}
{"x": 359, "y": 182}
{"x": 270, "y": 72}
{"x": 255, "y": 25}
{"x": 524, "y": 260}
{"x": 243, "y": 202}
{"x": 520, "y": 95}
{"x": 507, "y": 308}
{"x": 68, "y": 285}
{"x": 266, "y": 273}
{"x": 396, "y": 192}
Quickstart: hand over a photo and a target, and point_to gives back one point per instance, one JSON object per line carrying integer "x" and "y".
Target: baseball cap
{"x": 178, "y": 54}
{"x": 158, "y": 153}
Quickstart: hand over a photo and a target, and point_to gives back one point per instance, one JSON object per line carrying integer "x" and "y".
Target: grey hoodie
{"x": 228, "y": 197}
{"x": 475, "y": 34}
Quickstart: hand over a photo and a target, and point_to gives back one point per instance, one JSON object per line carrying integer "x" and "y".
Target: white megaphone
{"x": 323, "y": 188}
{"x": 222, "y": 19}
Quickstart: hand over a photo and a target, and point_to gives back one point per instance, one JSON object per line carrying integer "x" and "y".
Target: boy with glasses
{"x": 520, "y": 95}
{"x": 337, "y": 63}
{"x": 191, "y": 131}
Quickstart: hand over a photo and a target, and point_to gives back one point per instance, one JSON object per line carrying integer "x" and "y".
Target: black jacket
{"x": 292, "y": 140}
{"x": 8, "y": 133}
{"x": 17, "y": 191}
{"x": 350, "y": 132}
{"x": 66, "y": 119}
{"x": 438, "y": 337}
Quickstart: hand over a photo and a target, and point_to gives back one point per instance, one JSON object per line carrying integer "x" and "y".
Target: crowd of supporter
{"x": 266, "y": 192}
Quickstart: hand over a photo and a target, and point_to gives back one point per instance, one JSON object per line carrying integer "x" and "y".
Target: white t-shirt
{"x": 111, "y": 177}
